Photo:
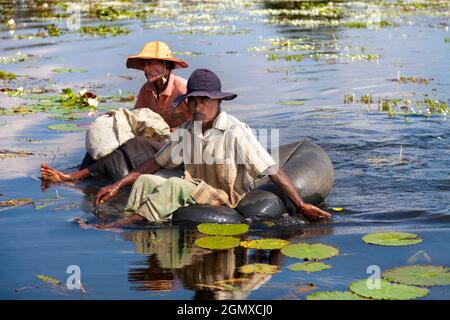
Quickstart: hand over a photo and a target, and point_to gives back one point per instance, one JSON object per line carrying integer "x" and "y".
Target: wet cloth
{"x": 163, "y": 103}
{"x": 224, "y": 163}
{"x": 156, "y": 198}
{"x": 110, "y": 131}
{"x": 117, "y": 164}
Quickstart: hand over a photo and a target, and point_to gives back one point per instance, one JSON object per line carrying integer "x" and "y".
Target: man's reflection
{"x": 173, "y": 259}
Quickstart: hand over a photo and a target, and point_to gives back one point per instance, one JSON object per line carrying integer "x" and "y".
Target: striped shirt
{"x": 224, "y": 162}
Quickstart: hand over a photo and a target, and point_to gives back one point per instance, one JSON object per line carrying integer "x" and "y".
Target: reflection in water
{"x": 172, "y": 259}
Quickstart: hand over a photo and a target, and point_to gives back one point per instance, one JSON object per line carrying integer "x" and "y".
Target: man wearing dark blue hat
{"x": 221, "y": 158}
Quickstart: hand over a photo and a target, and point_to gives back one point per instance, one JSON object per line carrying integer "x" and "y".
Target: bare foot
{"x": 113, "y": 226}
{"x": 53, "y": 175}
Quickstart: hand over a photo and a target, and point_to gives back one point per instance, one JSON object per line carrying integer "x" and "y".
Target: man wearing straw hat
{"x": 221, "y": 159}
{"x": 158, "y": 93}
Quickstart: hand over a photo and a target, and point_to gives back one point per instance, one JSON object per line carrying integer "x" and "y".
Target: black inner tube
{"x": 309, "y": 168}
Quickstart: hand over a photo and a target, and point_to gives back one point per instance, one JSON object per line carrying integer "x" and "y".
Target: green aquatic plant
{"x": 83, "y": 99}
{"x": 309, "y": 266}
{"x": 392, "y": 238}
{"x": 65, "y": 127}
{"x": 306, "y": 251}
{"x": 419, "y": 275}
{"x": 387, "y": 290}
{"x": 18, "y": 57}
{"x": 217, "y": 242}
{"x": 363, "y": 24}
{"x": 5, "y": 153}
{"x": 211, "y": 30}
{"x": 103, "y": 30}
{"x": 52, "y": 30}
{"x": 265, "y": 244}
{"x": 395, "y": 106}
{"x": 15, "y": 202}
{"x": 334, "y": 295}
{"x": 259, "y": 268}
{"x": 69, "y": 70}
{"x": 16, "y": 111}
{"x": 48, "y": 279}
{"x": 222, "y": 229}
{"x": 115, "y": 13}
{"x": 412, "y": 79}
{"x": 67, "y": 117}
{"x": 286, "y": 57}
{"x": 4, "y": 75}
{"x": 290, "y": 103}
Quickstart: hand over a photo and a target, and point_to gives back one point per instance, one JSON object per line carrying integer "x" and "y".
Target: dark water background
{"x": 379, "y": 190}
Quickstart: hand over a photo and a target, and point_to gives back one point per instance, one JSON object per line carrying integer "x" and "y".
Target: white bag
{"x": 110, "y": 131}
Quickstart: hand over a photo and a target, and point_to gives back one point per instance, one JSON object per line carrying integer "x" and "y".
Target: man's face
{"x": 203, "y": 108}
{"x": 153, "y": 69}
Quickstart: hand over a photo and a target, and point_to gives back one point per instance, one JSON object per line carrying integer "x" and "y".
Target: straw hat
{"x": 154, "y": 50}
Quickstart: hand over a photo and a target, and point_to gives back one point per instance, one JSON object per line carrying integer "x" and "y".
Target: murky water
{"x": 391, "y": 173}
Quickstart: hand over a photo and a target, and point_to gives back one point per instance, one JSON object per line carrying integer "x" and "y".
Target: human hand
{"x": 314, "y": 214}
{"x": 106, "y": 193}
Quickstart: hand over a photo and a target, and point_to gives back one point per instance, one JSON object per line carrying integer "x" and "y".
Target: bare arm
{"x": 106, "y": 193}
{"x": 285, "y": 184}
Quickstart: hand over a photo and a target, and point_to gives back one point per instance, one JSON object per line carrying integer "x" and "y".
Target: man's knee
{"x": 178, "y": 184}
{"x": 149, "y": 180}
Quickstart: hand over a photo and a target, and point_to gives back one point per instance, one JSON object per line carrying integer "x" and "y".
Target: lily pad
{"x": 387, "y": 290}
{"x": 265, "y": 244}
{"x": 222, "y": 229}
{"x": 334, "y": 295}
{"x": 309, "y": 266}
{"x": 315, "y": 251}
{"x": 217, "y": 242}
{"x": 392, "y": 239}
{"x": 259, "y": 268}
{"x": 48, "y": 279}
{"x": 419, "y": 275}
{"x": 65, "y": 127}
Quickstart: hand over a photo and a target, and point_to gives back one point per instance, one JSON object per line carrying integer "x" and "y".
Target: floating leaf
{"x": 265, "y": 244}
{"x": 259, "y": 268}
{"x": 65, "y": 127}
{"x": 15, "y": 202}
{"x": 315, "y": 251}
{"x": 222, "y": 229}
{"x": 217, "y": 242}
{"x": 387, "y": 290}
{"x": 69, "y": 70}
{"x": 48, "y": 279}
{"x": 334, "y": 295}
{"x": 419, "y": 275}
{"x": 392, "y": 239}
{"x": 309, "y": 266}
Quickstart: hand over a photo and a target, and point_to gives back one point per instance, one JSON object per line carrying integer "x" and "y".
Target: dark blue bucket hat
{"x": 204, "y": 83}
